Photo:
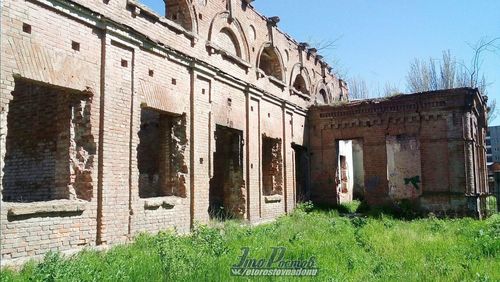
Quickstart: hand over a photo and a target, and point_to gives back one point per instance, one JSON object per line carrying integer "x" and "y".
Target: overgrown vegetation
{"x": 354, "y": 248}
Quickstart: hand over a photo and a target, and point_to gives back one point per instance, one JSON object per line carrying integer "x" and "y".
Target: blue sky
{"x": 377, "y": 40}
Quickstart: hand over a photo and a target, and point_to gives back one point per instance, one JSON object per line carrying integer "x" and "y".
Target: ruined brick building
{"x": 116, "y": 120}
{"x": 424, "y": 148}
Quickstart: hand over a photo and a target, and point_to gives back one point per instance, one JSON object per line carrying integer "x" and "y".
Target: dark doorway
{"x": 227, "y": 187}
{"x": 302, "y": 189}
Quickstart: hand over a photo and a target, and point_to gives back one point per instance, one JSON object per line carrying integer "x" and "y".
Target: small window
{"x": 26, "y": 28}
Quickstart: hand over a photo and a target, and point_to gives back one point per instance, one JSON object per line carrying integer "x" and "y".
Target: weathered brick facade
{"x": 116, "y": 120}
{"x": 88, "y": 85}
{"x": 428, "y": 148}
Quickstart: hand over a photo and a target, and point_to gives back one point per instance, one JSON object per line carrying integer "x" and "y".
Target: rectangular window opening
{"x": 161, "y": 162}
{"x": 50, "y": 148}
{"x": 272, "y": 166}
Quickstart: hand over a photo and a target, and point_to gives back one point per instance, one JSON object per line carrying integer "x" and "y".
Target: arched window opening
{"x": 178, "y": 11}
{"x": 270, "y": 63}
{"x": 227, "y": 41}
{"x": 300, "y": 84}
{"x": 322, "y": 98}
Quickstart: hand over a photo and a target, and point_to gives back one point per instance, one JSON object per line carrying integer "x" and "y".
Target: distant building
{"x": 489, "y": 154}
{"x": 493, "y": 145}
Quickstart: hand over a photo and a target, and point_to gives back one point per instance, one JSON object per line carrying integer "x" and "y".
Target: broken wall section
{"x": 162, "y": 165}
{"x": 358, "y": 169}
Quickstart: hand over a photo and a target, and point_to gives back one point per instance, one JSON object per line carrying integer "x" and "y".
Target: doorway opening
{"x": 302, "y": 188}
{"x": 350, "y": 174}
{"x": 227, "y": 186}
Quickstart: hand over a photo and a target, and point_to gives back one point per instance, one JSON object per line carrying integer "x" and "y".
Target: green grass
{"x": 356, "y": 249}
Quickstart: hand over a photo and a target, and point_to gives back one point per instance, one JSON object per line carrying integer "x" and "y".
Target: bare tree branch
{"x": 357, "y": 88}
{"x": 483, "y": 45}
{"x": 325, "y": 44}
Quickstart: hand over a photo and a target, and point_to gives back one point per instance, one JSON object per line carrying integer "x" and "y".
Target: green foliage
{"x": 350, "y": 207}
{"x": 305, "y": 207}
{"x": 350, "y": 248}
{"x": 491, "y": 205}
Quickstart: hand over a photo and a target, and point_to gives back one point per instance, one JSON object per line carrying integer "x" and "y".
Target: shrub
{"x": 350, "y": 207}
{"x": 210, "y": 239}
{"x": 305, "y": 207}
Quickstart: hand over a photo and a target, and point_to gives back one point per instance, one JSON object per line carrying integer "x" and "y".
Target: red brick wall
{"x": 137, "y": 59}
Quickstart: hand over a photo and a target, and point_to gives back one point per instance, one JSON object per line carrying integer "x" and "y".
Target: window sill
{"x": 277, "y": 82}
{"x": 300, "y": 94}
{"x": 273, "y": 198}
{"x": 168, "y": 202}
{"x": 214, "y": 48}
{"x": 261, "y": 74}
{"x": 48, "y": 207}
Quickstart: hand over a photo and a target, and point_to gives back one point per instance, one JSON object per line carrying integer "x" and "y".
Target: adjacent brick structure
{"x": 428, "y": 148}
{"x": 110, "y": 119}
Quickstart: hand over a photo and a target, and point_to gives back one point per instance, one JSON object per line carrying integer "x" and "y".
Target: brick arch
{"x": 300, "y": 77}
{"x": 232, "y": 29}
{"x": 322, "y": 97}
{"x": 270, "y": 61}
{"x": 323, "y": 91}
{"x": 182, "y": 13}
{"x": 227, "y": 40}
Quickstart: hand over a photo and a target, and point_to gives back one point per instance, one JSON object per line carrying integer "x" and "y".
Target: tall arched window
{"x": 178, "y": 11}
{"x": 270, "y": 64}
{"x": 300, "y": 84}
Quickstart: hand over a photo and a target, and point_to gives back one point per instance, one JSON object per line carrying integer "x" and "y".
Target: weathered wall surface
{"x": 220, "y": 64}
{"x": 403, "y": 167}
{"x": 358, "y": 170}
{"x": 427, "y": 148}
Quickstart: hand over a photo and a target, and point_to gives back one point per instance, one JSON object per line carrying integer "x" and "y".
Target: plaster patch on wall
{"x": 403, "y": 166}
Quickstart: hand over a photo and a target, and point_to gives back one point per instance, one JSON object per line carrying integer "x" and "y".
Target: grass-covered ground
{"x": 346, "y": 249}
